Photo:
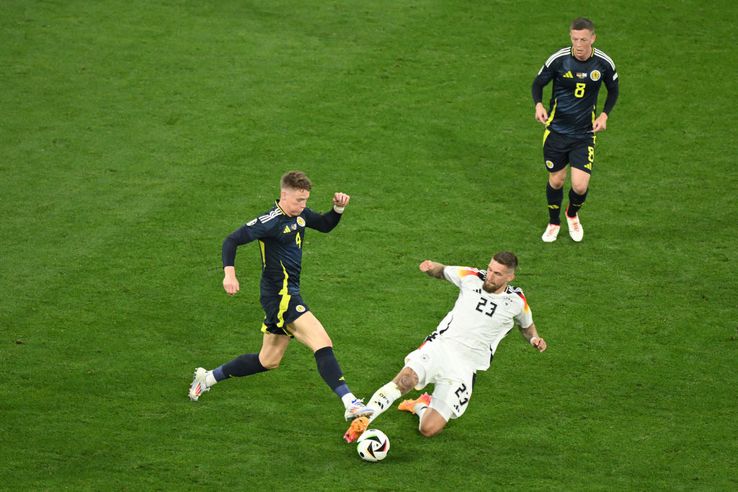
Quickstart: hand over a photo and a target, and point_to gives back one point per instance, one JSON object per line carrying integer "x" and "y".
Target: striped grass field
{"x": 136, "y": 135}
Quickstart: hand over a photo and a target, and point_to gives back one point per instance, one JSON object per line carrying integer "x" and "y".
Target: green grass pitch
{"x": 135, "y": 135}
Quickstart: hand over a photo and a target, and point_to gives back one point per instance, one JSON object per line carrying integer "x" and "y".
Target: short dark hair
{"x": 506, "y": 258}
{"x": 297, "y": 180}
{"x": 581, "y": 23}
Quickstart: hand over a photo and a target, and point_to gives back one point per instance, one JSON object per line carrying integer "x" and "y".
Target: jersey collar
{"x": 276, "y": 204}
{"x": 571, "y": 53}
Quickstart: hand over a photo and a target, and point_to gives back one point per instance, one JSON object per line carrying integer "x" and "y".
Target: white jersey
{"x": 479, "y": 319}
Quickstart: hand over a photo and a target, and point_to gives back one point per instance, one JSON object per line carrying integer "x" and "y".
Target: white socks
{"x": 383, "y": 398}
{"x": 420, "y": 409}
{"x": 348, "y": 399}
{"x": 210, "y": 379}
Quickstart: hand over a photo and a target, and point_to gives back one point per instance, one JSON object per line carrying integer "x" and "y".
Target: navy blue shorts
{"x": 279, "y": 311}
{"x": 560, "y": 150}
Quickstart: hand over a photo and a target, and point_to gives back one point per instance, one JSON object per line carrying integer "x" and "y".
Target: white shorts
{"x": 452, "y": 380}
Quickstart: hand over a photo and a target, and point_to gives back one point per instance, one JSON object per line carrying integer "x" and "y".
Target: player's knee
{"x": 406, "y": 380}
{"x": 405, "y": 384}
{"x": 428, "y": 433}
{"x": 556, "y": 182}
{"x": 579, "y": 189}
{"x": 430, "y": 430}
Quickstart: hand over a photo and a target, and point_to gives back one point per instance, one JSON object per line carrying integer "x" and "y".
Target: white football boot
{"x": 198, "y": 386}
{"x": 551, "y": 233}
{"x": 575, "y": 228}
{"x": 357, "y": 409}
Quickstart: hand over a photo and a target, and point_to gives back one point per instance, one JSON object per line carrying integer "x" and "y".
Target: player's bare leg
{"x": 580, "y": 180}
{"x": 431, "y": 422}
{"x": 309, "y": 331}
{"x": 406, "y": 380}
{"x": 272, "y": 350}
{"x": 557, "y": 179}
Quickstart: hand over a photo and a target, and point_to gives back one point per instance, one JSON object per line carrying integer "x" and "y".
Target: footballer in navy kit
{"x": 280, "y": 233}
{"x": 280, "y": 237}
{"x": 577, "y": 71}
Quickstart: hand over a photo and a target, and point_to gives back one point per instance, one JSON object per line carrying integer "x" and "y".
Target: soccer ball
{"x": 373, "y": 445}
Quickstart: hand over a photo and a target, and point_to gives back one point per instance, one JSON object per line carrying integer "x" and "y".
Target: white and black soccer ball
{"x": 373, "y": 445}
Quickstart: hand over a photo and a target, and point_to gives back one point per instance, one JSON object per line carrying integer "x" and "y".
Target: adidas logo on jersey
{"x": 568, "y": 75}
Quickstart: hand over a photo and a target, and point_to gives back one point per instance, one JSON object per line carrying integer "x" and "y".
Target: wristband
{"x": 338, "y": 210}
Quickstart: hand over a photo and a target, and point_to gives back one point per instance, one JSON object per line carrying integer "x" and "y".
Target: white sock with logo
{"x": 420, "y": 409}
{"x": 383, "y": 398}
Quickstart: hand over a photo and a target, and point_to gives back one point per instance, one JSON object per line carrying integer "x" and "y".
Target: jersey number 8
{"x": 579, "y": 90}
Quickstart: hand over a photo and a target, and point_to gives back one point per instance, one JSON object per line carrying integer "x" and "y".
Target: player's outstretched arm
{"x": 531, "y": 334}
{"x": 432, "y": 268}
{"x": 230, "y": 282}
{"x": 326, "y": 222}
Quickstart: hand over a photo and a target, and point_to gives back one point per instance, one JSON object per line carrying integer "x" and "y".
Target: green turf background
{"x": 135, "y": 135}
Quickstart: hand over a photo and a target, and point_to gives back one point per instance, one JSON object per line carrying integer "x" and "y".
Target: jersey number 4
{"x": 482, "y": 306}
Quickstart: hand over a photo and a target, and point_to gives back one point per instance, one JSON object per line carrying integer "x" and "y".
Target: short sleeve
{"x": 457, "y": 274}
{"x": 525, "y": 317}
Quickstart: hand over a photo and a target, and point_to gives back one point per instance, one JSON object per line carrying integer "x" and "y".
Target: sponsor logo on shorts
{"x": 595, "y": 75}
{"x": 300, "y": 308}
{"x": 549, "y": 164}
{"x": 301, "y": 222}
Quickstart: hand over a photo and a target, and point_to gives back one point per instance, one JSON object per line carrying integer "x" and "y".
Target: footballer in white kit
{"x": 464, "y": 342}
{"x": 466, "y": 339}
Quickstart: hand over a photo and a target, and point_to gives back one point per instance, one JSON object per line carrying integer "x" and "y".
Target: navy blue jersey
{"x": 280, "y": 242}
{"x": 576, "y": 85}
